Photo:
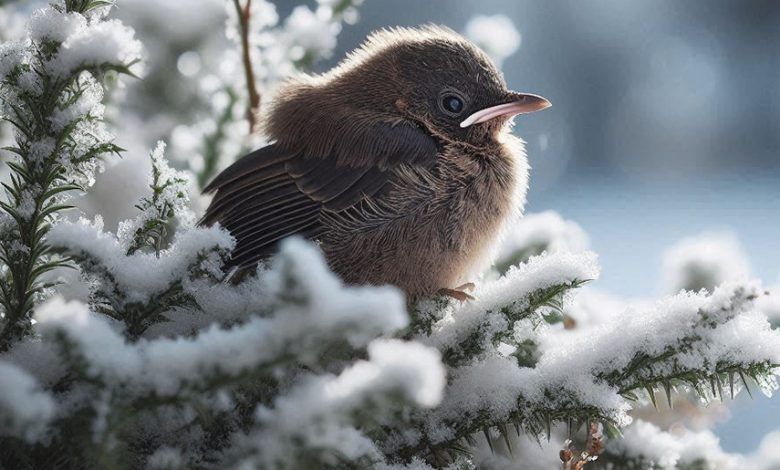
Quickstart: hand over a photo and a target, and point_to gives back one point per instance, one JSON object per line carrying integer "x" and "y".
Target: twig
{"x": 254, "y": 95}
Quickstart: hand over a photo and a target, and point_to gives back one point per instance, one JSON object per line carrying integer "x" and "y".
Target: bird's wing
{"x": 272, "y": 193}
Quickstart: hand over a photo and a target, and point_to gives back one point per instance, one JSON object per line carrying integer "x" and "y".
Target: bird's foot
{"x": 459, "y": 293}
{"x": 469, "y": 286}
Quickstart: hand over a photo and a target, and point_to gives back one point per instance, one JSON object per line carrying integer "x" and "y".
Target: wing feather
{"x": 274, "y": 193}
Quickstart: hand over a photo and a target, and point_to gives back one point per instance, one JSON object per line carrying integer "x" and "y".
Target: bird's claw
{"x": 459, "y": 293}
{"x": 469, "y": 286}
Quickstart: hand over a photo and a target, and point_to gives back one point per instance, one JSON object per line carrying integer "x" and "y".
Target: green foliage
{"x": 84, "y": 6}
{"x": 168, "y": 193}
{"x": 544, "y": 304}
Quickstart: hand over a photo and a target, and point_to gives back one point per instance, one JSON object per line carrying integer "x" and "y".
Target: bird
{"x": 399, "y": 162}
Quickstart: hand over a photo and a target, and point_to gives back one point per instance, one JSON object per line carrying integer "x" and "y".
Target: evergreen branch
{"x": 484, "y": 332}
{"x": 51, "y": 156}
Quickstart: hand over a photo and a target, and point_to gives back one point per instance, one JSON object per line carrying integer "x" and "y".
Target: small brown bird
{"x": 398, "y": 161}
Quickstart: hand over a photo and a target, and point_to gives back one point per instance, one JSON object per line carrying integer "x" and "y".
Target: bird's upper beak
{"x": 521, "y": 103}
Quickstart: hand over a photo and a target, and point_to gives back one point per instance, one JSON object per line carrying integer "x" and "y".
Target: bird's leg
{"x": 469, "y": 286}
{"x": 459, "y": 293}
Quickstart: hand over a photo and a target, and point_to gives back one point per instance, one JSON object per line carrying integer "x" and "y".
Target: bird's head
{"x": 428, "y": 76}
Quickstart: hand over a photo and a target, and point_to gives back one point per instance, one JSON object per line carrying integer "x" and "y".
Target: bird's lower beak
{"x": 522, "y": 103}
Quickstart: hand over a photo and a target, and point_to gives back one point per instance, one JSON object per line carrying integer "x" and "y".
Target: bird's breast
{"x": 435, "y": 228}
{"x": 489, "y": 198}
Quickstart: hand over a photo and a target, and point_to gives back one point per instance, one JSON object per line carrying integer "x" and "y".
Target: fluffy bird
{"x": 399, "y": 162}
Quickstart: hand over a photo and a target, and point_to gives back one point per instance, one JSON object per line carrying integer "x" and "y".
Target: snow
{"x": 11, "y": 54}
{"x": 317, "y": 315}
{"x": 25, "y": 409}
{"x": 492, "y": 386}
{"x": 97, "y": 45}
{"x": 675, "y": 450}
{"x": 88, "y": 104}
{"x": 714, "y": 327}
{"x": 333, "y": 349}
{"x": 262, "y": 14}
{"x": 316, "y": 411}
{"x": 770, "y": 305}
{"x": 416, "y": 368}
{"x": 767, "y": 457}
{"x": 42, "y": 360}
{"x": 592, "y": 307}
{"x": 42, "y": 149}
{"x": 679, "y": 447}
{"x": 543, "y": 231}
{"x": 170, "y": 196}
{"x": 193, "y": 17}
{"x": 703, "y": 262}
{"x": 6, "y": 224}
{"x": 140, "y": 275}
{"x": 513, "y": 289}
{"x": 49, "y": 24}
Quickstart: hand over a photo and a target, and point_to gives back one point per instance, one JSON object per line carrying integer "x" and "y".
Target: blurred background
{"x": 665, "y": 121}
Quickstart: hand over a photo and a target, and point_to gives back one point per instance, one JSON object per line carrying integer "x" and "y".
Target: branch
{"x": 244, "y": 14}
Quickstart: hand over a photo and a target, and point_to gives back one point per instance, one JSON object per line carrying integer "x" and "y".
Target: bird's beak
{"x": 522, "y": 103}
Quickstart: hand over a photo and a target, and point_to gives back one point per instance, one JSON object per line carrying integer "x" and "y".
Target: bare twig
{"x": 254, "y": 95}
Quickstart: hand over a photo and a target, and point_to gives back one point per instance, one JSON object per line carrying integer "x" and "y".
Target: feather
{"x": 274, "y": 192}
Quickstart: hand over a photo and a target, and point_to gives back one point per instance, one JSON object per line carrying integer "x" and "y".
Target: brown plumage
{"x": 398, "y": 161}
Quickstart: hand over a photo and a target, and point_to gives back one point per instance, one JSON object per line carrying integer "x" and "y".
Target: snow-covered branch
{"x": 51, "y": 93}
{"x": 25, "y": 409}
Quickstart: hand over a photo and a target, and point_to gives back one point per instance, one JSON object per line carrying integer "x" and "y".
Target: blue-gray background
{"x": 664, "y": 123}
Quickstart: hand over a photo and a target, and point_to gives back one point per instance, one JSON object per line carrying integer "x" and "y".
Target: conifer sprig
{"x": 50, "y": 93}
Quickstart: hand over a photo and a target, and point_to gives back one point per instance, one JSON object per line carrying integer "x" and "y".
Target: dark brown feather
{"x": 260, "y": 192}
{"x": 252, "y": 163}
{"x": 274, "y": 193}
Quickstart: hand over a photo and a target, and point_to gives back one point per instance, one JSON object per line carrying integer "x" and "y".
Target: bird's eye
{"x": 452, "y": 103}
